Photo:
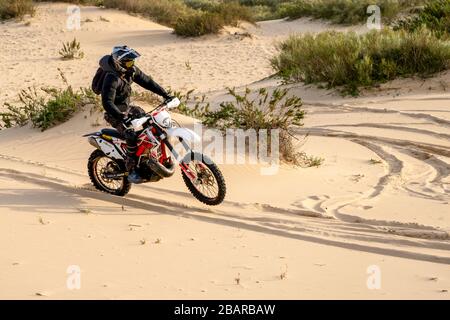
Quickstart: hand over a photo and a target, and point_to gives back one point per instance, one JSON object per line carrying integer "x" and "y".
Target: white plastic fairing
{"x": 108, "y": 148}
{"x": 138, "y": 123}
{"x": 186, "y": 134}
{"x": 163, "y": 119}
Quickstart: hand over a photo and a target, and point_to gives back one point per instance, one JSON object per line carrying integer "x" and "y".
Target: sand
{"x": 381, "y": 197}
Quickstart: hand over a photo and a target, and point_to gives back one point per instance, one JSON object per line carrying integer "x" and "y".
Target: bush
{"x": 232, "y": 13}
{"x": 15, "y": 9}
{"x": 213, "y": 20}
{"x": 268, "y": 3}
{"x": 189, "y": 18}
{"x": 199, "y": 24}
{"x": 205, "y": 5}
{"x": 257, "y": 10}
{"x": 82, "y": 2}
{"x": 71, "y": 50}
{"x": 266, "y": 111}
{"x": 165, "y": 12}
{"x": 353, "y": 61}
{"x": 47, "y": 108}
{"x": 344, "y": 11}
{"x": 435, "y": 16}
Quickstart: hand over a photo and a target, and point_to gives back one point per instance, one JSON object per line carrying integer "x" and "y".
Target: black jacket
{"x": 116, "y": 89}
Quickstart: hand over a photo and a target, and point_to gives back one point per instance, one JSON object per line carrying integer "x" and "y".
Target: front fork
{"x": 184, "y": 166}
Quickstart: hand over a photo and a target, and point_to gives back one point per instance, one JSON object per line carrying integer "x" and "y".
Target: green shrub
{"x": 265, "y": 111}
{"x": 344, "y": 11}
{"x": 189, "y": 18}
{"x": 47, "y": 107}
{"x": 71, "y": 50}
{"x": 165, "y": 12}
{"x": 435, "y": 16}
{"x": 232, "y": 13}
{"x": 199, "y": 24}
{"x": 258, "y": 111}
{"x": 353, "y": 61}
{"x": 82, "y": 2}
{"x": 205, "y": 5}
{"x": 16, "y": 9}
{"x": 267, "y": 3}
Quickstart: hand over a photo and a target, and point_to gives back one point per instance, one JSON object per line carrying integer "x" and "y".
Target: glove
{"x": 127, "y": 121}
{"x": 168, "y": 98}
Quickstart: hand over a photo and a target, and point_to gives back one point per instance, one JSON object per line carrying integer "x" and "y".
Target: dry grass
{"x": 47, "y": 107}
{"x": 351, "y": 61}
{"x": 344, "y": 11}
{"x": 260, "y": 111}
{"x": 16, "y": 9}
{"x": 71, "y": 50}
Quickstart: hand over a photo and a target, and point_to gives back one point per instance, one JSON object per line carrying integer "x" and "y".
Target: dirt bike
{"x": 156, "y": 157}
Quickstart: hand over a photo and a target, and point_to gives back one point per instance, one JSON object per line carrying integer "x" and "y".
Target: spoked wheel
{"x": 204, "y": 179}
{"x": 107, "y": 174}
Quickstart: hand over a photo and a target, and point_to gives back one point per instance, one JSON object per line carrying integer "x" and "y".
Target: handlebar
{"x": 171, "y": 104}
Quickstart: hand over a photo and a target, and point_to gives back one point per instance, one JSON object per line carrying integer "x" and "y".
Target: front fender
{"x": 186, "y": 134}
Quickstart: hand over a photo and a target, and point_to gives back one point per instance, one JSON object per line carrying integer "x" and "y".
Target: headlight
{"x": 166, "y": 123}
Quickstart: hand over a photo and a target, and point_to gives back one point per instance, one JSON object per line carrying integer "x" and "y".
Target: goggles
{"x": 127, "y": 63}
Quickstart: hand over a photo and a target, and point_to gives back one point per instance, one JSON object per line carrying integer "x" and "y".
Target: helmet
{"x": 124, "y": 57}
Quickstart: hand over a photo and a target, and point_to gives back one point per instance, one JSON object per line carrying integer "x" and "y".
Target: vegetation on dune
{"x": 17, "y": 9}
{"x": 191, "y": 18}
{"x": 165, "y": 12}
{"x": 213, "y": 20}
{"x": 188, "y": 18}
{"x": 418, "y": 46}
{"x": 71, "y": 50}
{"x": 198, "y": 24}
{"x": 259, "y": 110}
{"x": 352, "y": 61}
{"x": 435, "y": 16}
{"x": 344, "y": 11}
{"x": 338, "y": 11}
{"x": 224, "y": 12}
{"x": 47, "y": 107}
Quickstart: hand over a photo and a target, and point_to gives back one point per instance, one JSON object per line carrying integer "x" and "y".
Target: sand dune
{"x": 380, "y": 198}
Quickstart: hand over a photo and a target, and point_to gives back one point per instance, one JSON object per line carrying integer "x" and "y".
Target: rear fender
{"x": 109, "y": 149}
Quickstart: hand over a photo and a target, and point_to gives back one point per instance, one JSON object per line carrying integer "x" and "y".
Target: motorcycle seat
{"x": 112, "y": 133}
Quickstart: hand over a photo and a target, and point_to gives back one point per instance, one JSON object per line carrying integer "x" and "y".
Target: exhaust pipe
{"x": 159, "y": 169}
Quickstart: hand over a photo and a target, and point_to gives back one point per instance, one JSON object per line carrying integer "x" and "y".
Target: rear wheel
{"x": 207, "y": 183}
{"x": 107, "y": 174}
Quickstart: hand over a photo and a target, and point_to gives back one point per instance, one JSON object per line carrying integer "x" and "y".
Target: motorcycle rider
{"x": 116, "y": 74}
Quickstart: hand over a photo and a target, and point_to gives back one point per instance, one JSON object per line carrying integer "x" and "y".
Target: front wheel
{"x": 203, "y": 179}
{"x": 107, "y": 174}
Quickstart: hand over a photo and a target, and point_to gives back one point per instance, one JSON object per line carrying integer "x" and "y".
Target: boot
{"x": 130, "y": 164}
{"x": 134, "y": 177}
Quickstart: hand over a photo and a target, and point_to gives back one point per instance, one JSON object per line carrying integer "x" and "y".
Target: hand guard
{"x": 127, "y": 122}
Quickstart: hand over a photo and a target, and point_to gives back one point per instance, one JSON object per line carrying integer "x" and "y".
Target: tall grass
{"x": 82, "y": 2}
{"x": 17, "y": 9}
{"x": 165, "y": 12}
{"x": 352, "y": 61}
{"x": 212, "y": 19}
{"x": 71, "y": 50}
{"x": 256, "y": 110}
{"x": 435, "y": 16}
{"x": 47, "y": 107}
{"x": 188, "y": 18}
{"x": 344, "y": 11}
{"x": 198, "y": 24}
